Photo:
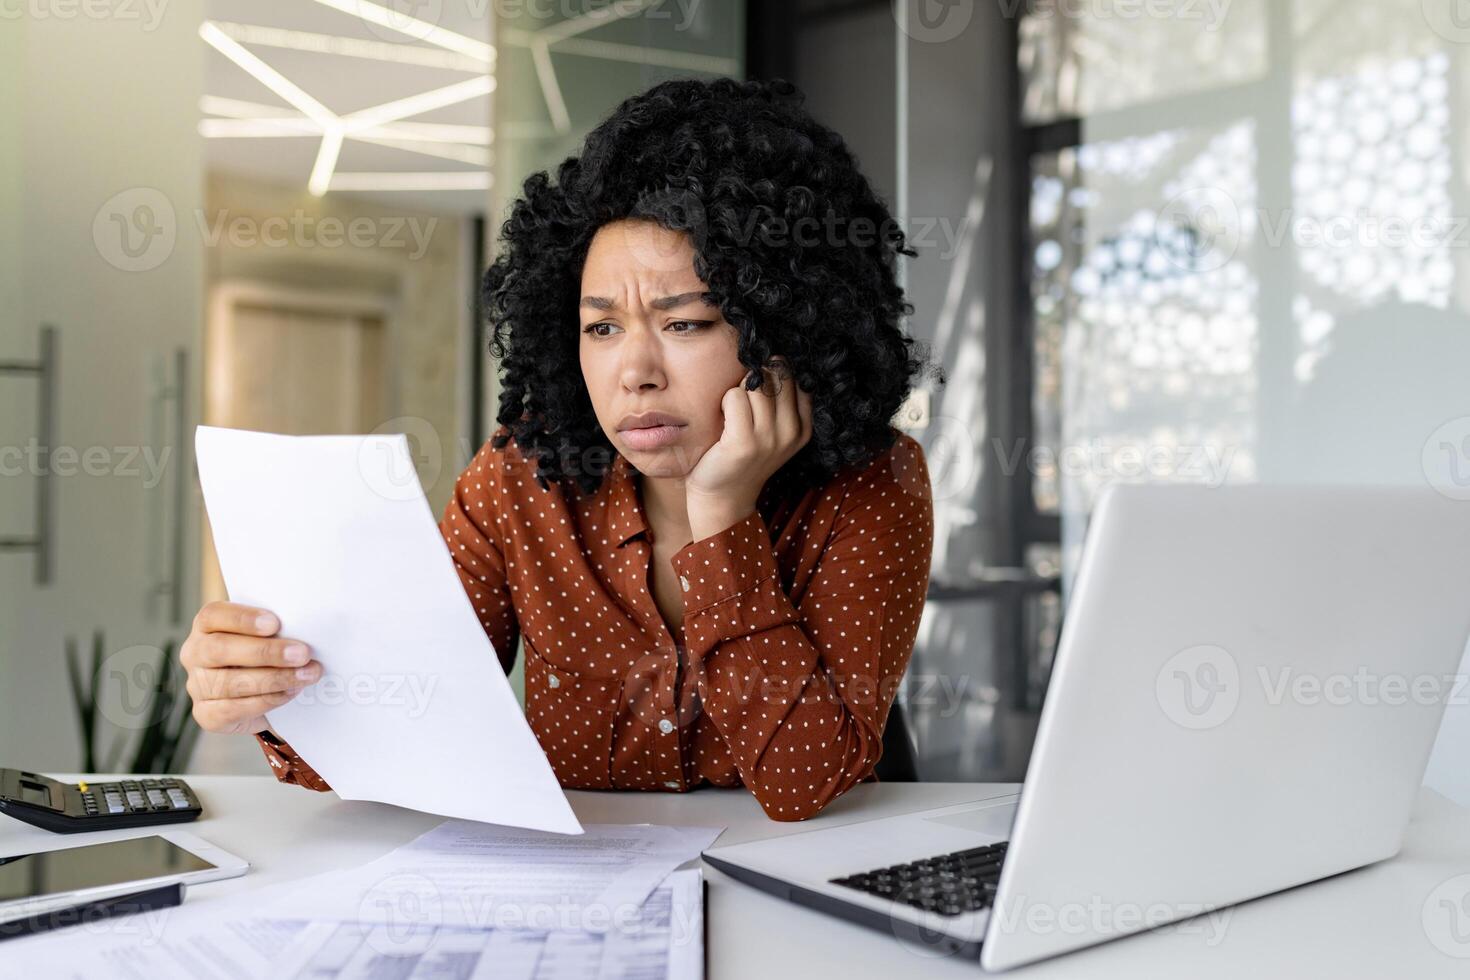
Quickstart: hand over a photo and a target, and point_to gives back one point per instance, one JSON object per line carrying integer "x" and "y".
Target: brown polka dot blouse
{"x": 799, "y": 621}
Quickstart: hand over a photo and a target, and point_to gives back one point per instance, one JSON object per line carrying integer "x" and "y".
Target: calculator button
{"x": 135, "y": 798}
{"x": 155, "y": 797}
{"x": 114, "y": 807}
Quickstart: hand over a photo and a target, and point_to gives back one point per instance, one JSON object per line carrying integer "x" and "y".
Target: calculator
{"x": 72, "y": 808}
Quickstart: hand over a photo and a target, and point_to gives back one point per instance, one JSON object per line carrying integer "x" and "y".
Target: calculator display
{"x": 109, "y": 863}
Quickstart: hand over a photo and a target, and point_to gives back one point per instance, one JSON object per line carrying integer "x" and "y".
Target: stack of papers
{"x": 463, "y": 900}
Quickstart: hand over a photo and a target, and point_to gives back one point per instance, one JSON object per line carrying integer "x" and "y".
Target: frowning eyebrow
{"x": 662, "y": 303}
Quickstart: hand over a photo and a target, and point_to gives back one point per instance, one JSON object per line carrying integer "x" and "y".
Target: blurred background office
{"x": 1200, "y": 241}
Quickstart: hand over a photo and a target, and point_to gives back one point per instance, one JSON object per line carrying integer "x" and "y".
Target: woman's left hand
{"x": 763, "y": 429}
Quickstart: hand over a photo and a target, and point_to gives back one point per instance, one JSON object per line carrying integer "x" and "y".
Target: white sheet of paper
{"x": 474, "y": 875}
{"x": 334, "y": 535}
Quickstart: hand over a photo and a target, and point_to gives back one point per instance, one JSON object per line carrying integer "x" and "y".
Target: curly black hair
{"x": 798, "y": 252}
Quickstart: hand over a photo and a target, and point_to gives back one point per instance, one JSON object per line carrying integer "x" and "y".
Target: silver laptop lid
{"x": 1245, "y": 695}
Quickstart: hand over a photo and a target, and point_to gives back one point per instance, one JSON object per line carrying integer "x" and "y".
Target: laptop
{"x": 1245, "y": 694}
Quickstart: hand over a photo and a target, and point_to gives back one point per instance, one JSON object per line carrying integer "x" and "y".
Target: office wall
{"x": 97, "y": 124}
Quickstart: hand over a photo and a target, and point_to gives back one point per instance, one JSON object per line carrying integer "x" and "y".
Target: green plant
{"x": 166, "y": 738}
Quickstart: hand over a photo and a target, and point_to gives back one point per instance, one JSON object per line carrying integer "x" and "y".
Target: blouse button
{"x": 684, "y": 582}
{"x": 672, "y": 784}
{"x": 665, "y": 726}
{"x": 553, "y": 681}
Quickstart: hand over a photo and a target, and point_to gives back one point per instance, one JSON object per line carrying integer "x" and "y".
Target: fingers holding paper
{"x": 238, "y": 668}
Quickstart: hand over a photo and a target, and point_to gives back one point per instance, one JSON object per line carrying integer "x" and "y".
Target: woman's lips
{"x": 653, "y": 437}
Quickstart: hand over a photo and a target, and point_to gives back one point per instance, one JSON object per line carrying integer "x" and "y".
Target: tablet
{"x": 56, "y": 877}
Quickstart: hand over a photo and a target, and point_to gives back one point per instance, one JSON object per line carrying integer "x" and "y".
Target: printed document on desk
{"x": 243, "y": 938}
{"x": 334, "y": 535}
{"x": 463, "y": 873}
{"x": 662, "y": 940}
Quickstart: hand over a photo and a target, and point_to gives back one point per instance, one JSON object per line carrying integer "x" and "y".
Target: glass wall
{"x": 1247, "y": 263}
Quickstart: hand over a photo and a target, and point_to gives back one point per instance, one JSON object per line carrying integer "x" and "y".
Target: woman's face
{"x": 651, "y": 342}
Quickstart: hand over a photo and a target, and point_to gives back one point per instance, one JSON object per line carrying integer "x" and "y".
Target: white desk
{"x": 1382, "y": 921}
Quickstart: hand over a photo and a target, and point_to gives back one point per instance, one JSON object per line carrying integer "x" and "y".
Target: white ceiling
{"x": 345, "y": 84}
{"x": 573, "y": 63}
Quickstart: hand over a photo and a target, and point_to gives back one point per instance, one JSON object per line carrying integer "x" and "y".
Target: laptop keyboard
{"x": 950, "y": 884}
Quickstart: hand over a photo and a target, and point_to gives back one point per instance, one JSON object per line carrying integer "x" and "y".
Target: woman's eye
{"x": 592, "y": 329}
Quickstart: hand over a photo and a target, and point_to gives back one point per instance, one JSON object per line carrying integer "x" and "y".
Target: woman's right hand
{"x": 239, "y": 668}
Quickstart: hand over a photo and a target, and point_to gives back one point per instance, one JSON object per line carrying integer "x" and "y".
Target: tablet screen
{"x": 92, "y": 865}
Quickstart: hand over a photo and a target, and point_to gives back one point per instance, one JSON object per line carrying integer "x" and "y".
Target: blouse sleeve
{"x": 471, "y": 529}
{"x": 801, "y": 691}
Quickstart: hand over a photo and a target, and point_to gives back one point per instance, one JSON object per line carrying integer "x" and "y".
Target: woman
{"x": 694, "y": 512}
